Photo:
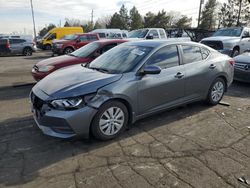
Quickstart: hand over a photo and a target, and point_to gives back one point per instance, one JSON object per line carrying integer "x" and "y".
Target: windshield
{"x": 230, "y": 32}
{"x": 120, "y": 59}
{"x": 86, "y": 50}
{"x": 69, "y": 37}
{"x": 141, "y": 33}
{"x": 46, "y": 36}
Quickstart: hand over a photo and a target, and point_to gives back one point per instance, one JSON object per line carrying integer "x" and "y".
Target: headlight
{"x": 67, "y": 104}
{"x": 45, "y": 68}
{"x": 59, "y": 45}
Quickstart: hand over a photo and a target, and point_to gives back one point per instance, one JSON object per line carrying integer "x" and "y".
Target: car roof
{"x": 158, "y": 43}
{"x": 105, "y": 41}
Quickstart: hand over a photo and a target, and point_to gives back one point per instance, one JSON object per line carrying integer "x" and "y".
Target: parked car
{"x": 27, "y": 37}
{"x": 17, "y": 46}
{"x": 148, "y": 33}
{"x": 242, "y": 67}
{"x": 127, "y": 83}
{"x": 84, "y": 55}
{"x": 230, "y": 41}
{"x": 57, "y": 33}
{"x": 70, "y": 43}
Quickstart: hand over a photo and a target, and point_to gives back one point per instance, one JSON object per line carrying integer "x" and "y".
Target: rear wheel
{"x": 216, "y": 91}
{"x": 68, "y": 50}
{"x": 110, "y": 120}
{"x": 27, "y": 52}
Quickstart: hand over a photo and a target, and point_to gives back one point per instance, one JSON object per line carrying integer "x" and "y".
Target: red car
{"x": 84, "y": 55}
{"x": 70, "y": 43}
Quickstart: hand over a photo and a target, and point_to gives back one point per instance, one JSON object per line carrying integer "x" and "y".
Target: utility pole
{"x": 199, "y": 17}
{"x": 238, "y": 19}
{"x": 92, "y": 17}
{"x": 31, "y": 4}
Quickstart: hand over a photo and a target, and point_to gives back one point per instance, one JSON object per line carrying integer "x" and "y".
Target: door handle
{"x": 212, "y": 66}
{"x": 179, "y": 75}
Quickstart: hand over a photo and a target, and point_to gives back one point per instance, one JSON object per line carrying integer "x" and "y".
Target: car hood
{"x": 222, "y": 38}
{"x": 73, "y": 81}
{"x": 58, "y": 60}
{"x": 243, "y": 58}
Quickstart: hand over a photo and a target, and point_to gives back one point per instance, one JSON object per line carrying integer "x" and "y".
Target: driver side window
{"x": 52, "y": 36}
{"x": 166, "y": 57}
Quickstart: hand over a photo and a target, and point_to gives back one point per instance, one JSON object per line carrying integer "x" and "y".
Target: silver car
{"x": 129, "y": 82}
{"x": 22, "y": 46}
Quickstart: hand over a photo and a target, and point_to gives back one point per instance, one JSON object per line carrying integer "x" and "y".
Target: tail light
{"x": 8, "y": 45}
{"x": 232, "y": 62}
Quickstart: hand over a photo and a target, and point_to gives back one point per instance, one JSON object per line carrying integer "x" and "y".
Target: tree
{"x": 234, "y": 13}
{"x": 123, "y": 13}
{"x": 183, "y": 22}
{"x": 115, "y": 21}
{"x": 45, "y": 30}
{"x": 136, "y": 19}
{"x": 97, "y": 25}
{"x": 66, "y": 24}
{"x": 161, "y": 19}
{"x": 208, "y": 15}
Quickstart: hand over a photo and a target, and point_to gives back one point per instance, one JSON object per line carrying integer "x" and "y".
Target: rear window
{"x": 191, "y": 53}
{"x": 205, "y": 53}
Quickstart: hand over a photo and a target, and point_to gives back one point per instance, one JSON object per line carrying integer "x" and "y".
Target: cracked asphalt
{"x": 192, "y": 146}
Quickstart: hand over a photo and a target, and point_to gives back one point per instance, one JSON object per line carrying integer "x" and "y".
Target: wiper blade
{"x": 100, "y": 69}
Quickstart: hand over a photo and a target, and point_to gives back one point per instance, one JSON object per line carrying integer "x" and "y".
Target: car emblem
{"x": 246, "y": 67}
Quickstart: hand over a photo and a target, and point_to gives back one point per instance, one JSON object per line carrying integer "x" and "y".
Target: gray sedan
{"x": 131, "y": 81}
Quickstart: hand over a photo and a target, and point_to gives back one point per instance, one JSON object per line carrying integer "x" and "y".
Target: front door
{"x": 156, "y": 92}
{"x": 245, "y": 41}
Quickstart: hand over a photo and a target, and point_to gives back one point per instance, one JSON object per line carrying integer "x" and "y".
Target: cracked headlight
{"x": 45, "y": 68}
{"x": 67, "y": 104}
{"x": 72, "y": 103}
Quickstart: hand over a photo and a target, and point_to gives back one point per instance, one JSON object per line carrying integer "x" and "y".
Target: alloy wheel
{"x": 111, "y": 121}
{"x": 217, "y": 91}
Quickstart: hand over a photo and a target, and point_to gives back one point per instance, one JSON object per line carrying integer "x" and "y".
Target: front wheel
{"x": 68, "y": 50}
{"x": 216, "y": 91}
{"x": 110, "y": 120}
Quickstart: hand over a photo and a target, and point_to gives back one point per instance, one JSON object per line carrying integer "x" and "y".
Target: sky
{"x": 15, "y": 15}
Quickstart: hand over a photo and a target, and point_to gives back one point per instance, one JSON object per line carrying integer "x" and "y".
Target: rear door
{"x": 198, "y": 69}
{"x": 17, "y": 45}
{"x": 156, "y": 92}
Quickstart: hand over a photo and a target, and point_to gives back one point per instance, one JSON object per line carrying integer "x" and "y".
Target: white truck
{"x": 230, "y": 41}
{"x": 148, "y": 33}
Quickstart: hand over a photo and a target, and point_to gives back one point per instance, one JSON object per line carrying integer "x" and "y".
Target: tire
{"x": 235, "y": 52}
{"x": 68, "y": 50}
{"x": 103, "y": 126}
{"x": 216, "y": 91}
{"x": 27, "y": 51}
{"x": 47, "y": 47}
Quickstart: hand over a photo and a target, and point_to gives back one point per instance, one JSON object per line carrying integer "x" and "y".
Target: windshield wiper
{"x": 71, "y": 55}
{"x": 99, "y": 69}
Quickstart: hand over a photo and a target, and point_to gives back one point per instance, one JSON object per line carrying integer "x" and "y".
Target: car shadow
{"x": 239, "y": 89}
{"x": 26, "y": 151}
{"x": 16, "y": 91}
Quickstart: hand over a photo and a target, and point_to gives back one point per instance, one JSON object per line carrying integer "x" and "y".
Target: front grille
{"x": 36, "y": 101}
{"x": 217, "y": 45}
{"x": 242, "y": 66}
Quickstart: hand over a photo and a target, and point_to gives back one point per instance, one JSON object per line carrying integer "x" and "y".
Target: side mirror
{"x": 78, "y": 40}
{"x": 151, "y": 69}
{"x": 150, "y": 36}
